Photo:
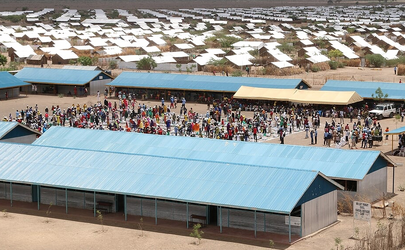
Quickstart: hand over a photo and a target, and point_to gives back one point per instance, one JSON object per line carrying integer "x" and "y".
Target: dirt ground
{"x": 28, "y": 230}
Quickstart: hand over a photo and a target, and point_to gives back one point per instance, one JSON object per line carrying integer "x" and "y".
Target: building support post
{"x": 301, "y": 222}
{"x": 393, "y": 179}
{"x": 289, "y": 228}
{"x": 66, "y": 199}
{"x": 141, "y": 208}
{"x": 38, "y": 193}
{"x": 255, "y": 223}
{"x": 220, "y": 220}
{"x": 125, "y": 207}
{"x": 94, "y": 203}
{"x": 155, "y": 211}
{"x": 228, "y": 217}
{"x": 11, "y": 194}
{"x": 187, "y": 213}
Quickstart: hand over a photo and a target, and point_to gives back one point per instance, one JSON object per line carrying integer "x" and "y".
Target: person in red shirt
{"x": 255, "y": 134}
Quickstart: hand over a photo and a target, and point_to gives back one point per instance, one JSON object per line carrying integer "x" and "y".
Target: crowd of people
{"x": 223, "y": 119}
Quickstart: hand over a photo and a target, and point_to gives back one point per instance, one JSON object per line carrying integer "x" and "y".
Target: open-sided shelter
{"x": 362, "y": 173}
{"x": 280, "y": 200}
{"x": 298, "y": 96}
{"x": 191, "y": 86}
{"x": 395, "y": 91}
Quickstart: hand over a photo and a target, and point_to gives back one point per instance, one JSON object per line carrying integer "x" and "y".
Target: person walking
{"x": 312, "y": 136}
{"x": 316, "y": 136}
{"x": 395, "y": 70}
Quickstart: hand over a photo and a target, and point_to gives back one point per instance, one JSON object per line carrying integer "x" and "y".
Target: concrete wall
{"x": 244, "y": 219}
{"x": 319, "y": 213}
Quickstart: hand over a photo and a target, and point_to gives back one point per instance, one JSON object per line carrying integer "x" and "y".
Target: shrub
{"x": 85, "y": 61}
{"x": 197, "y": 233}
{"x": 3, "y": 60}
{"x": 352, "y": 62}
{"x": 376, "y": 60}
{"x": 283, "y": 72}
{"x": 315, "y": 68}
{"x": 333, "y": 64}
{"x": 401, "y": 69}
{"x": 237, "y": 73}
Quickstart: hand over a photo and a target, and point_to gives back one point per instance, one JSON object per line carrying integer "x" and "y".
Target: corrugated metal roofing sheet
{"x": 232, "y": 185}
{"x": 198, "y": 82}
{"x": 57, "y": 76}
{"x": 395, "y": 91}
{"x": 397, "y": 131}
{"x": 334, "y": 163}
{"x": 7, "y": 80}
{"x": 6, "y": 127}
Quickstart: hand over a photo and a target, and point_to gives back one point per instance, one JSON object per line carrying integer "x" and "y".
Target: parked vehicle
{"x": 383, "y": 110}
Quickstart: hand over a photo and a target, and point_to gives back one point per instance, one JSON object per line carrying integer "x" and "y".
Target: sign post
{"x": 362, "y": 211}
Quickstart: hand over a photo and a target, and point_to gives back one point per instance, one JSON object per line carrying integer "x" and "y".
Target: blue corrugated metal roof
{"x": 397, "y": 131}
{"x": 57, "y": 76}
{"x": 198, "y": 82}
{"x": 7, "y": 80}
{"x": 334, "y": 163}
{"x": 229, "y": 185}
{"x": 6, "y": 127}
{"x": 395, "y": 91}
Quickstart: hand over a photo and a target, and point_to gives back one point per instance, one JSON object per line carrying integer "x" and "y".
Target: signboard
{"x": 295, "y": 221}
{"x": 361, "y": 210}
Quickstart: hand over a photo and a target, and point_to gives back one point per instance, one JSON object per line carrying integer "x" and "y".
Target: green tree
{"x": 146, "y": 63}
{"x": 286, "y": 48}
{"x": 113, "y": 64}
{"x": 335, "y": 54}
{"x": 376, "y": 60}
{"x": 114, "y": 14}
{"x": 3, "y": 60}
{"x": 220, "y": 62}
{"x": 85, "y": 61}
{"x": 379, "y": 96}
{"x": 227, "y": 41}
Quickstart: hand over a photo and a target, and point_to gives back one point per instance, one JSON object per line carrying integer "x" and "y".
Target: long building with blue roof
{"x": 11, "y": 85}
{"x": 158, "y": 82}
{"x": 363, "y": 173}
{"x": 216, "y": 191}
{"x": 63, "y": 81}
{"x": 395, "y": 91}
